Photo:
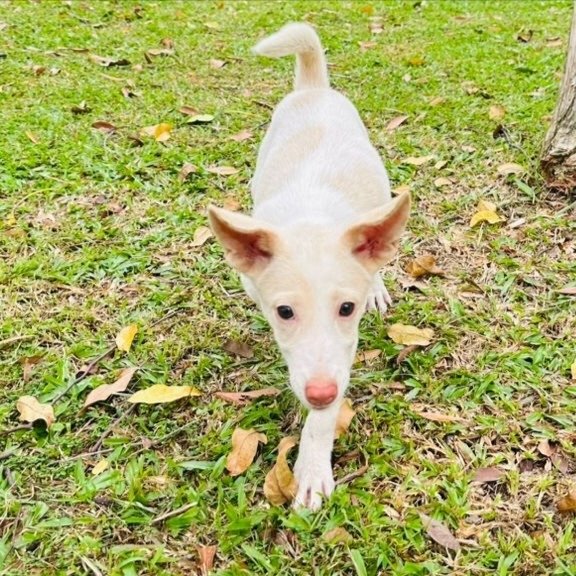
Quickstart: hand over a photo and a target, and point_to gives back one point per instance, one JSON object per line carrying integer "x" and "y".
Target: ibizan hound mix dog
{"x": 322, "y": 227}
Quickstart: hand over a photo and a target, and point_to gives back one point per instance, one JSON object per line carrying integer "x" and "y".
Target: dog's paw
{"x": 378, "y": 297}
{"x": 315, "y": 481}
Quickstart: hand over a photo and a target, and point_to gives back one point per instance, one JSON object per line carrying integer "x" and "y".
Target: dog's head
{"x": 312, "y": 282}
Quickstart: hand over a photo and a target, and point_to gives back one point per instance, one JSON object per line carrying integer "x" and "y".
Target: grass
{"x": 96, "y": 232}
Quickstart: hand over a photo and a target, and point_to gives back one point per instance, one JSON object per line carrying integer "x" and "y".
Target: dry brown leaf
{"x": 417, "y": 161}
{"x": 442, "y": 181}
{"x": 242, "y": 135}
{"x": 186, "y": 170}
{"x": 206, "y": 556}
{"x": 108, "y": 62}
{"x": 364, "y": 46}
{"x": 244, "y": 447}
{"x": 230, "y": 203}
{"x": 485, "y": 212}
{"x": 154, "y": 52}
{"x": 125, "y": 337}
{"x": 525, "y": 36}
{"x": 217, "y": 64}
{"x": 161, "y": 394}
{"x": 280, "y": 485}
{"x": 242, "y": 398}
{"x": 188, "y": 111}
{"x": 222, "y": 170}
{"x": 437, "y": 416}
{"x": 423, "y": 265}
{"x": 127, "y": 92}
{"x": 201, "y": 235}
{"x": 28, "y": 364}
{"x": 409, "y": 335}
{"x": 510, "y": 168}
{"x": 100, "y": 467}
{"x": 405, "y": 352}
{"x": 106, "y": 390}
{"x": 338, "y": 535}
{"x": 160, "y": 132}
{"x": 395, "y": 123}
{"x": 345, "y": 416}
{"x": 31, "y": 410}
{"x": 368, "y": 355}
{"x": 544, "y": 448}
{"x": 568, "y": 502}
{"x": 81, "y": 108}
{"x": 496, "y": 112}
{"x": 103, "y": 126}
{"x": 439, "y": 532}
{"x": 554, "y": 42}
{"x": 490, "y": 474}
{"x": 238, "y": 349}
{"x": 568, "y": 291}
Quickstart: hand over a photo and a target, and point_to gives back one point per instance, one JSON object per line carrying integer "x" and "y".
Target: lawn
{"x": 101, "y": 228}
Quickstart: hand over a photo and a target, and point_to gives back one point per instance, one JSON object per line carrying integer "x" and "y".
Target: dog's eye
{"x": 346, "y": 309}
{"x": 285, "y": 312}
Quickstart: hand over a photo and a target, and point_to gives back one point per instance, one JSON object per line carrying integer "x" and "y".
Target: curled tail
{"x": 301, "y": 40}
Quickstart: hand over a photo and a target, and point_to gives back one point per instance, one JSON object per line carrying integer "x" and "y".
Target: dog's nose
{"x": 321, "y": 392}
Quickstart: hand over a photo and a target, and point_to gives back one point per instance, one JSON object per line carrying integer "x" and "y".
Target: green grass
{"x": 96, "y": 232}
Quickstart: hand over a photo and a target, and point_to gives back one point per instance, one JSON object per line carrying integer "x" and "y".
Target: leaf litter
{"x": 280, "y": 485}
{"x": 244, "y": 448}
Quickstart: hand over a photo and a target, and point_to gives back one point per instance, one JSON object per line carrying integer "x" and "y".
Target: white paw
{"x": 315, "y": 481}
{"x": 378, "y": 297}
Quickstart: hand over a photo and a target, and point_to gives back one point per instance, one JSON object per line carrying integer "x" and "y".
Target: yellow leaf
{"x": 244, "y": 447}
{"x": 410, "y": 335}
{"x": 417, "y": 161}
{"x": 485, "y": 212}
{"x": 10, "y": 221}
{"x": 510, "y": 168}
{"x": 31, "y": 410}
{"x": 106, "y": 390}
{"x": 222, "y": 170}
{"x": 160, "y": 132}
{"x": 345, "y": 416}
{"x": 280, "y": 485}
{"x": 367, "y": 356}
{"x": 496, "y": 112}
{"x": 337, "y": 535}
{"x": 100, "y": 467}
{"x": 573, "y": 370}
{"x": 425, "y": 264}
{"x": 202, "y": 234}
{"x": 161, "y": 394}
{"x": 125, "y": 337}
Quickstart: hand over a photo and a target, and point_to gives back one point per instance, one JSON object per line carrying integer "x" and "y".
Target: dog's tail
{"x": 301, "y": 40}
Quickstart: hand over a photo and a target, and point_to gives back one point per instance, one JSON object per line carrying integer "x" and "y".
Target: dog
{"x": 322, "y": 227}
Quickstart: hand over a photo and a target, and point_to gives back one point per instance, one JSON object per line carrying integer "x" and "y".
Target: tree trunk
{"x": 559, "y": 152}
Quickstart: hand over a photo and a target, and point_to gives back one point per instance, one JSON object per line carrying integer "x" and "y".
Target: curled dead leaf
{"x": 244, "y": 447}
{"x": 161, "y": 394}
{"x": 439, "y": 532}
{"x": 108, "y": 62}
{"x": 186, "y": 170}
{"x": 238, "y": 348}
{"x": 409, "y": 335}
{"x": 345, "y": 416}
{"x": 105, "y": 127}
{"x": 31, "y": 410}
{"x": 568, "y": 502}
{"x": 423, "y": 265}
{"x": 28, "y": 364}
{"x": 490, "y": 474}
{"x": 337, "y": 535}
{"x": 201, "y": 235}
{"x": 104, "y": 392}
{"x": 395, "y": 123}
{"x": 125, "y": 337}
{"x": 280, "y": 486}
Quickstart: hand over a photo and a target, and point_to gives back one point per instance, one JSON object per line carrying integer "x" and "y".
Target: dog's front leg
{"x": 378, "y": 297}
{"x": 313, "y": 468}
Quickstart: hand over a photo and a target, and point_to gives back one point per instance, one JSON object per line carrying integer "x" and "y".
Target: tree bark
{"x": 559, "y": 152}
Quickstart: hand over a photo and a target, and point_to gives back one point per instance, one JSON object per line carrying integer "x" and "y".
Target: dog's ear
{"x": 375, "y": 237}
{"x": 248, "y": 245}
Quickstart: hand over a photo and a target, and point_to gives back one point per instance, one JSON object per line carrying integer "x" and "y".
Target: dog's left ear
{"x": 375, "y": 238}
{"x": 249, "y": 245}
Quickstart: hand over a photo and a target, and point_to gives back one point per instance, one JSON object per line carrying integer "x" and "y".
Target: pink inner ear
{"x": 371, "y": 246}
{"x": 254, "y": 249}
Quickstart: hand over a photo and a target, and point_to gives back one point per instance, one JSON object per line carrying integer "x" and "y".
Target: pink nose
{"x": 321, "y": 392}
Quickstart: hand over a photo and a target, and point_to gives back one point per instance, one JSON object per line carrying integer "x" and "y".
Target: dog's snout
{"x": 321, "y": 392}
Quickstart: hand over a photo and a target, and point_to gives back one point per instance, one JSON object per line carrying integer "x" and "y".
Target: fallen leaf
{"x": 160, "y": 132}
{"x": 188, "y": 111}
{"x": 280, "y": 485}
{"x": 337, "y": 535}
{"x": 490, "y": 474}
{"x": 376, "y": 27}
{"x": 154, "y": 52}
{"x": 238, "y": 348}
{"x": 242, "y": 135}
{"x": 417, "y": 161}
{"x": 161, "y": 394}
{"x": 510, "y": 168}
{"x": 38, "y": 70}
{"x": 437, "y": 101}
{"x": 200, "y": 119}
{"x": 568, "y": 291}
{"x": 437, "y": 416}
{"x": 106, "y": 390}
{"x": 32, "y": 137}
{"x": 469, "y": 149}
{"x": 81, "y": 108}
{"x": 525, "y": 36}
{"x": 345, "y": 415}
{"x": 405, "y": 352}
{"x": 440, "y": 164}
{"x": 128, "y": 92}
{"x": 222, "y": 170}
{"x": 442, "y": 181}
{"x": 201, "y": 235}
{"x": 100, "y": 467}
{"x": 28, "y": 364}
{"x": 103, "y": 126}
{"x": 544, "y": 448}
{"x": 186, "y": 170}
{"x": 415, "y": 61}
{"x": 409, "y": 335}
{"x": 395, "y": 123}
{"x": 368, "y": 355}
{"x": 217, "y": 64}
{"x": 10, "y": 220}
{"x": 554, "y": 42}
{"x": 244, "y": 447}
{"x": 567, "y": 503}
{"x": 485, "y": 212}
{"x": 439, "y": 532}
{"x": 108, "y": 62}
{"x": 242, "y": 398}
{"x": 496, "y": 112}
{"x": 125, "y": 337}
{"x": 206, "y": 556}
{"x": 364, "y": 46}
{"x": 31, "y": 410}
{"x": 423, "y": 265}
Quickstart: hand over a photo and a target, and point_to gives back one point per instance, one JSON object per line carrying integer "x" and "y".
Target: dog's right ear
{"x": 249, "y": 245}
